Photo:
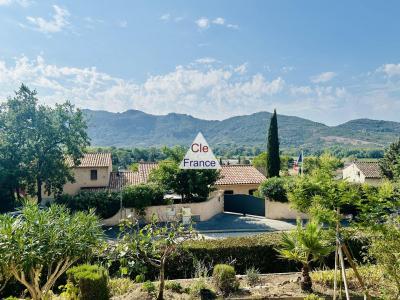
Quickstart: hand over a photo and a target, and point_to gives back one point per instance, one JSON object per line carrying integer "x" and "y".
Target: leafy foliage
{"x": 153, "y": 244}
{"x": 192, "y": 185}
{"x": 35, "y": 141}
{"x": 305, "y": 246}
{"x": 142, "y": 195}
{"x": 105, "y": 203}
{"x": 275, "y": 188}
{"x": 390, "y": 164}
{"x": 43, "y": 244}
{"x": 92, "y": 281}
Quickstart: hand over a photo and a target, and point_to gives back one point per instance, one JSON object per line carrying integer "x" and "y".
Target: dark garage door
{"x": 244, "y": 204}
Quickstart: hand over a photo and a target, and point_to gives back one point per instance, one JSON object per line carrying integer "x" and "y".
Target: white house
{"x": 363, "y": 172}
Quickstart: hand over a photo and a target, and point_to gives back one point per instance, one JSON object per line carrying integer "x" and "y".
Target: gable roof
{"x": 91, "y": 160}
{"x": 240, "y": 174}
{"x": 369, "y": 169}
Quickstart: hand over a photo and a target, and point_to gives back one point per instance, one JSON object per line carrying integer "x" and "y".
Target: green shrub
{"x": 197, "y": 286}
{"x": 105, "y": 203}
{"x": 253, "y": 276}
{"x": 120, "y": 286}
{"x": 142, "y": 195}
{"x": 275, "y": 189}
{"x": 245, "y": 252}
{"x": 140, "y": 278}
{"x": 173, "y": 286}
{"x": 224, "y": 279}
{"x": 312, "y": 297}
{"x": 149, "y": 287}
{"x": 92, "y": 281}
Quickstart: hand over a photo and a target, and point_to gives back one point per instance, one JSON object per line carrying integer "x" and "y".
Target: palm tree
{"x": 305, "y": 245}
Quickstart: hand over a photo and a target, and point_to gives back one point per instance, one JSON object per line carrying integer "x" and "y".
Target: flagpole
{"x": 302, "y": 162}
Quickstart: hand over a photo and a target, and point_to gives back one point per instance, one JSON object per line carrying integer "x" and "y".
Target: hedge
{"x": 243, "y": 253}
{"x": 105, "y": 203}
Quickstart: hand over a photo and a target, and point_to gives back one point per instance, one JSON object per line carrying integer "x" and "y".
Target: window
{"x": 93, "y": 174}
{"x": 228, "y": 192}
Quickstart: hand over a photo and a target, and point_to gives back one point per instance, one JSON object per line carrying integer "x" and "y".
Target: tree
{"x": 305, "y": 245}
{"x": 40, "y": 245}
{"x": 38, "y": 141}
{"x": 273, "y": 159}
{"x": 390, "y": 163}
{"x": 153, "y": 244}
{"x": 192, "y": 185}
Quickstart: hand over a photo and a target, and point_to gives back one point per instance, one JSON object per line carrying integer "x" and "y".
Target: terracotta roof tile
{"x": 145, "y": 168}
{"x": 90, "y": 160}
{"x": 120, "y": 179}
{"x": 240, "y": 174}
{"x": 369, "y": 169}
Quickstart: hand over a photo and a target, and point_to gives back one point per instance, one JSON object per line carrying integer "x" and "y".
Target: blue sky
{"x": 326, "y": 61}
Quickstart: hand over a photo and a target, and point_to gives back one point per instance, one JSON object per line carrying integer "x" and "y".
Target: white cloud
{"x": 165, "y": 17}
{"x": 206, "y": 60}
{"x": 323, "y": 77}
{"x": 232, "y": 26}
{"x": 57, "y": 23}
{"x": 390, "y": 69}
{"x": 203, "y": 89}
{"x": 241, "y": 69}
{"x": 219, "y": 21}
{"x": 23, "y": 3}
{"x": 203, "y": 23}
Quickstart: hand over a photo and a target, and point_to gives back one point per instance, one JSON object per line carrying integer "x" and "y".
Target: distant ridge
{"x": 134, "y": 128}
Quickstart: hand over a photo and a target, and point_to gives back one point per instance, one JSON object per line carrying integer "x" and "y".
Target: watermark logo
{"x": 199, "y": 156}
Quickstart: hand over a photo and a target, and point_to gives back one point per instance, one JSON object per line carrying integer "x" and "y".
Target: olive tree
{"x": 153, "y": 244}
{"x": 38, "y": 246}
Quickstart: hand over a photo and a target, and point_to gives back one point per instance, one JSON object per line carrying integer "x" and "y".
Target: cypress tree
{"x": 273, "y": 159}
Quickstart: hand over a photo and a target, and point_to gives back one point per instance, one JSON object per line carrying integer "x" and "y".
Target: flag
{"x": 300, "y": 159}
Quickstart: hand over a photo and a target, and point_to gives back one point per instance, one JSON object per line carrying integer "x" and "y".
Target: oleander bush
{"x": 92, "y": 281}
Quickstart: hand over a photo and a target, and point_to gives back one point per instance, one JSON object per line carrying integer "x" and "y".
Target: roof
{"x": 120, "y": 179}
{"x": 144, "y": 170}
{"x": 230, "y": 174}
{"x": 90, "y": 160}
{"x": 369, "y": 169}
{"x": 240, "y": 174}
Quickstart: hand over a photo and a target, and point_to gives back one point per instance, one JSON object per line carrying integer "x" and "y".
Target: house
{"x": 95, "y": 173}
{"x": 363, "y": 172}
{"x": 239, "y": 179}
{"x": 235, "y": 179}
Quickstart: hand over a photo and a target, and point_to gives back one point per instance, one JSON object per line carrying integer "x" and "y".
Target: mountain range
{"x": 134, "y": 128}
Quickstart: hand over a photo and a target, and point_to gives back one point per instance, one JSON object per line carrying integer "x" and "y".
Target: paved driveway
{"x": 227, "y": 224}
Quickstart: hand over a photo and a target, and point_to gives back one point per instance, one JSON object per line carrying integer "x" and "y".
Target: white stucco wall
{"x": 278, "y": 210}
{"x": 204, "y": 210}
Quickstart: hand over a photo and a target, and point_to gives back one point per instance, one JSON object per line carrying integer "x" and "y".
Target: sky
{"x": 328, "y": 61}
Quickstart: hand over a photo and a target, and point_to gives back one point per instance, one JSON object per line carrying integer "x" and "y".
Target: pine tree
{"x": 273, "y": 159}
